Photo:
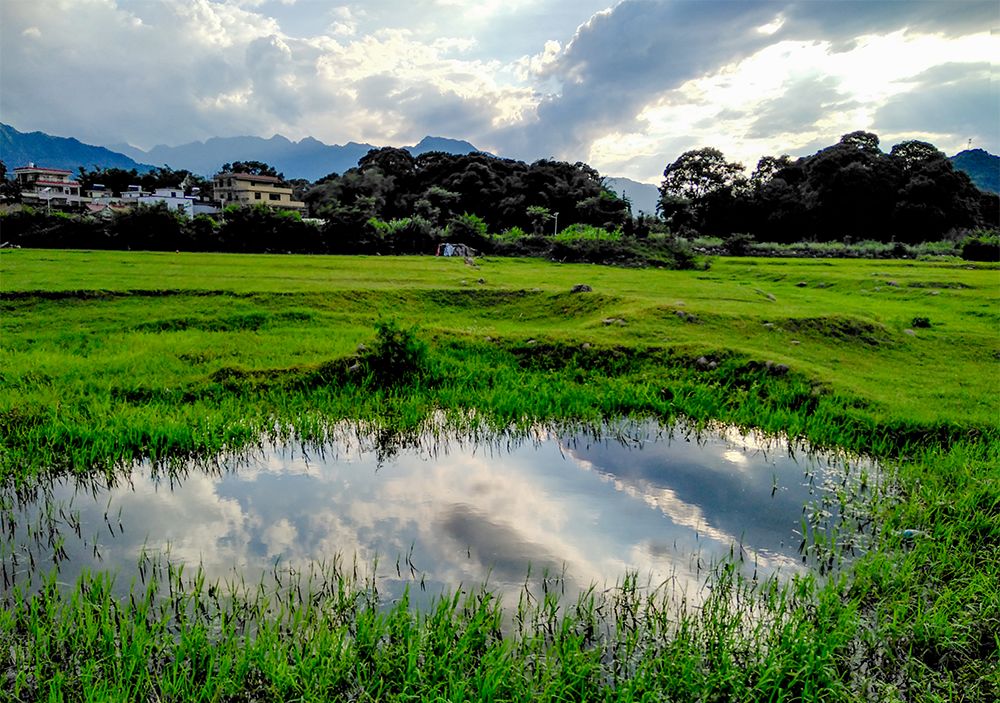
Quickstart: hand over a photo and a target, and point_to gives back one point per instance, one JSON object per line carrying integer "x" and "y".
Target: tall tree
{"x": 697, "y": 173}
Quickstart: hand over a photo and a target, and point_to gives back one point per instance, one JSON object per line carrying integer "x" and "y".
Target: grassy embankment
{"x": 114, "y": 356}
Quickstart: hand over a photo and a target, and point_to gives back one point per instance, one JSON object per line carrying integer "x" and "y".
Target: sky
{"x": 625, "y": 86}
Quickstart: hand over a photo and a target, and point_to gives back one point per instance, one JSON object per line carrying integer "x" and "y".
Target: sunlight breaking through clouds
{"x": 625, "y": 85}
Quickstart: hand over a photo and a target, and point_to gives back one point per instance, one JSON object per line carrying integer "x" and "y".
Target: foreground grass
{"x": 109, "y": 357}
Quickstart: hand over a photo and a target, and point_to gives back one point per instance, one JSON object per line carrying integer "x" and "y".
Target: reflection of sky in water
{"x": 665, "y": 506}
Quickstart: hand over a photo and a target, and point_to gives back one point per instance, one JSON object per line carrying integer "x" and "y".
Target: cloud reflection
{"x": 461, "y": 514}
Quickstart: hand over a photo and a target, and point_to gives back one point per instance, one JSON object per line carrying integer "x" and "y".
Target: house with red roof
{"x": 52, "y": 187}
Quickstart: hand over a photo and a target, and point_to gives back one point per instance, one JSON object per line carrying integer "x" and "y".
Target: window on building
{"x": 256, "y": 196}
{"x": 274, "y": 196}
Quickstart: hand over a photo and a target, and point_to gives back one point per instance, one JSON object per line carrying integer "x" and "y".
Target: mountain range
{"x": 308, "y": 158}
{"x": 21, "y": 148}
{"x": 312, "y": 159}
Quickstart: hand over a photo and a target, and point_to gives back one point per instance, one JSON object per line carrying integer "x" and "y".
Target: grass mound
{"x": 840, "y": 328}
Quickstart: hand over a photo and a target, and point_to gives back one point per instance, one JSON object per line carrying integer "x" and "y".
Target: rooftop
{"x": 40, "y": 169}
{"x": 249, "y": 177}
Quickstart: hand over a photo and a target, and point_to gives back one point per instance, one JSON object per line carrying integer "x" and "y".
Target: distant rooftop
{"x": 41, "y": 169}
{"x": 249, "y": 177}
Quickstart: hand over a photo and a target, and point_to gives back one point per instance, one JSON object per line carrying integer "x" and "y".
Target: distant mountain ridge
{"x": 643, "y": 196}
{"x": 21, "y": 148}
{"x": 311, "y": 159}
{"x": 982, "y": 166}
{"x": 308, "y": 158}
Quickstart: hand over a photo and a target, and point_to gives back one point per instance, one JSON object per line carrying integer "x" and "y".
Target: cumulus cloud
{"x": 624, "y": 84}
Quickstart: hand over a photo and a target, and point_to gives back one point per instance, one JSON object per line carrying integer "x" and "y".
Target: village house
{"x": 51, "y": 187}
{"x": 173, "y": 198}
{"x": 247, "y": 189}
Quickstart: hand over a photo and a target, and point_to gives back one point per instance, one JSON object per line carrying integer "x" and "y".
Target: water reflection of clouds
{"x": 722, "y": 481}
{"x": 197, "y": 524}
{"x": 462, "y": 514}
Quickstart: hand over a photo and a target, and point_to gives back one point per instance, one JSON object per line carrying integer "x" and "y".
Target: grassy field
{"x": 110, "y": 357}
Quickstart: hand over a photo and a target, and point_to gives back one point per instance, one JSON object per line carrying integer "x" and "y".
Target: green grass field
{"x": 110, "y": 357}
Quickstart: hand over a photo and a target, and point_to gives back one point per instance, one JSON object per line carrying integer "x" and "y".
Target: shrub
{"x": 982, "y": 247}
{"x": 469, "y": 230}
{"x": 397, "y": 357}
{"x": 920, "y": 322}
{"x": 407, "y": 235}
{"x": 511, "y": 235}
{"x": 582, "y": 232}
{"x": 738, "y": 244}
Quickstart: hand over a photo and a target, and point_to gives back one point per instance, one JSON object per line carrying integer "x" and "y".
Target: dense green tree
{"x": 697, "y": 187}
{"x": 254, "y": 168}
{"x": 912, "y": 154}
{"x": 862, "y": 141}
{"x": 391, "y": 184}
{"x": 698, "y": 173}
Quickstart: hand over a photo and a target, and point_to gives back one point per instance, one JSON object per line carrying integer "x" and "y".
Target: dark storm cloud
{"x": 91, "y": 71}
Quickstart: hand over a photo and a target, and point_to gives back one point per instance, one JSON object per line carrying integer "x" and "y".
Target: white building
{"x": 173, "y": 198}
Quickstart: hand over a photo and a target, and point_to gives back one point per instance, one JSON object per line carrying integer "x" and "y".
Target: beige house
{"x": 246, "y": 189}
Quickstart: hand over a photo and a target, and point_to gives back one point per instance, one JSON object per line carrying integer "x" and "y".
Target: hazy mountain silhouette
{"x": 308, "y": 158}
{"x": 643, "y": 196}
{"x": 21, "y": 148}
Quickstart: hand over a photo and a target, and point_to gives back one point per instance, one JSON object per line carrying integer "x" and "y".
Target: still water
{"x": 444, "y": 513}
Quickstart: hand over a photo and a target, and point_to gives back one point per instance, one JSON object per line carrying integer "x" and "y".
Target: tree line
{"x": 390, "y": 184}
{"x": 849, "y": 191}
{"x": 395, "y": 203}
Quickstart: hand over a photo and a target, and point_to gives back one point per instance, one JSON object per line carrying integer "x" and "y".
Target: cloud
{"x": 952, "y": 102}
{"x": 626, "y": 86}
{"x": 804, "y": 102}
{"x": 640, "y": 53}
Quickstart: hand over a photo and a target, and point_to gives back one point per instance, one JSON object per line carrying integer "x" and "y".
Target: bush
{"x": 469, "y": 230}
{"x": 982, "y": 247}
{"x": 397, "y": 356}
{"x": 582, "y": 232}
{"x": 738, "y": 244}
{"x": 511, "y": 235}
{"x": 408, "y": 235}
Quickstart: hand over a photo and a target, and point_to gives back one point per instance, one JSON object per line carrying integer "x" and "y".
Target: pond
{"x": 441, "y": 513}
